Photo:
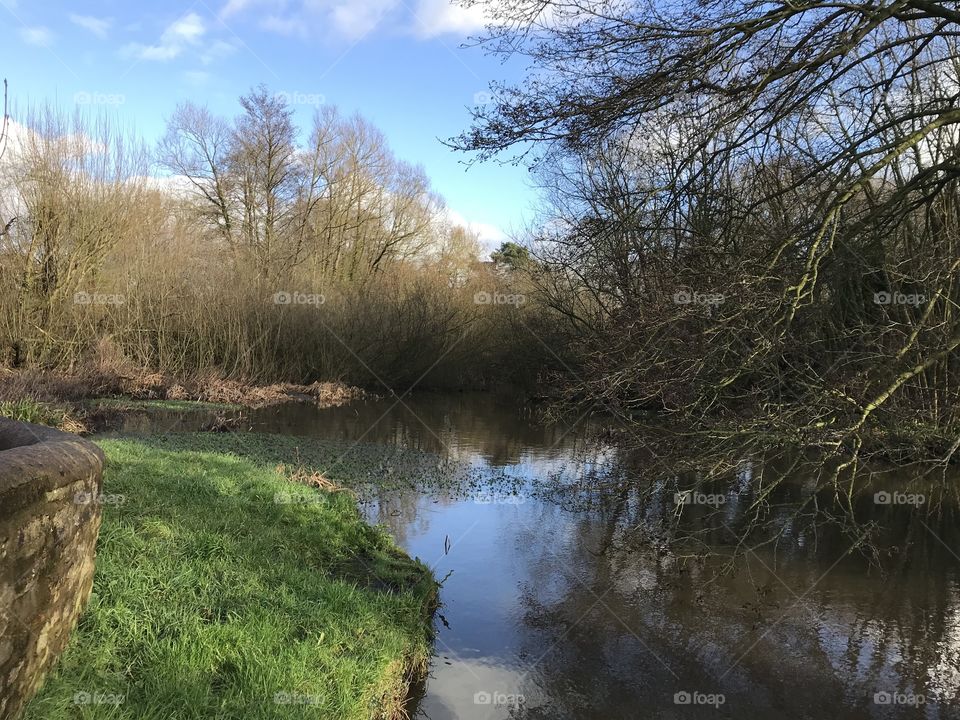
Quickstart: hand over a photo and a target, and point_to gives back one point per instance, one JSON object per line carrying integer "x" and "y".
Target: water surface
{"x": 555, "y": 608}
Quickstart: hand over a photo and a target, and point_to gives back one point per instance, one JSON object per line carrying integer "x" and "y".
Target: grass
{"x": 39, "y": 413}
{"x": 31, "y": 411}
{"x": 212, "y": 600}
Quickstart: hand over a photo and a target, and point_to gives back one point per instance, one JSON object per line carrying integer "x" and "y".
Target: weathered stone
{"x": 47, "y": 544}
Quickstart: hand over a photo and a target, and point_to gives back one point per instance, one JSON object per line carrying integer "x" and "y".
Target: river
{"x": 558, "y": 602}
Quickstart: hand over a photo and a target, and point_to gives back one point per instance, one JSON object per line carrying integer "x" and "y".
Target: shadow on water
{"x": 556, "y": 608}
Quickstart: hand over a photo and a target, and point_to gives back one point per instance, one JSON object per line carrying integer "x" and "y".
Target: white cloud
{"x": 233, "y": 7}
{"x": 440, "y": 17}
{"x": 346, "y": 19}
{"x": 38, "y": 35}
{"x": 189, "y": 29}
{"x": 490, "y": 236}
{"x": 161, "y": 53}
{"x": 217, "y": 50}
{"x": 182, "y": 33}
{"x": 352, "y": 19}
{"x": 17, "y": 138}
{"x": 24, "y": 141}
{"x": 284, "y": 25}
{"x": 356, "y": 19}
{"x": 98, "y": 26}
{"x": 178, "y": 186}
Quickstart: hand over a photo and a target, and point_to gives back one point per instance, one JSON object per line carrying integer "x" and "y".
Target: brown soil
{"x": 49, "y": 386}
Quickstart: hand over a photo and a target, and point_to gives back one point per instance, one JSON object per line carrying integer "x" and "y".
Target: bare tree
{"x": 802, "y": 138}
{"x": 197, "y": 146}
{"x": 264, "y": 160}
{"x": 248, "y": 179}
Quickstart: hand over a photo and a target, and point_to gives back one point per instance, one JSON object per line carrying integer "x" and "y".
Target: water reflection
{"x": 572, "y": 612}
{"x": 536, "y": 610}
{"x": 487, "y": 427}
{"x": 557, "y": 609}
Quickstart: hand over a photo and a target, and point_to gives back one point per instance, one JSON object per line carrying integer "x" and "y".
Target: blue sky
{"x": 399, "y": 63}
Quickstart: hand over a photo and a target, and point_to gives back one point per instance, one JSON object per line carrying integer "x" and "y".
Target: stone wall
{"x": 50, "y": 487}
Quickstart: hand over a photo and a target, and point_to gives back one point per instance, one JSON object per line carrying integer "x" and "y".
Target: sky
{"x": 403, "y": 64}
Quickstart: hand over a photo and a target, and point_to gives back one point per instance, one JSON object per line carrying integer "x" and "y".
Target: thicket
{"x": 245, "y": 249}
{"x": 751, "y": 222}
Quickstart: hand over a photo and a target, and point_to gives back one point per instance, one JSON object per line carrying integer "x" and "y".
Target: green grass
{"x": 210, "y": 597}
{"x": 31, "y": 411}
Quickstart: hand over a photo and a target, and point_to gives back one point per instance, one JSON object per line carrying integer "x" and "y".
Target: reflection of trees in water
{"x": 858, "y": 631}
{"x": 477, "y": 422}
{"x": 791, "y": 504}
{"x": 666, "y": 583}
{"x": 797, "y": 501}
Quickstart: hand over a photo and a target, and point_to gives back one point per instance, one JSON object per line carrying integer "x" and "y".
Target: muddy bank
{"x": 50, "y": 386}
{"x": 63, "y": 399}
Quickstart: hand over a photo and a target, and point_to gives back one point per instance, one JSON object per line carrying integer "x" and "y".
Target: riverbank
{"x": 225, "y": 589}
{"x": 58, "y": 387}
{"x": 529, "y": 524}
{"x": 94, "y": 400}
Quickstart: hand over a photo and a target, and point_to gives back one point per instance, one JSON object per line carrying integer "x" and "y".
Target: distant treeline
{"x": 246, "y": 249}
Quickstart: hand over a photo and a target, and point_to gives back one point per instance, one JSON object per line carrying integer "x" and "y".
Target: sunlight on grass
{"x": 212, "y": 600}
{"x": 31, "y": 411}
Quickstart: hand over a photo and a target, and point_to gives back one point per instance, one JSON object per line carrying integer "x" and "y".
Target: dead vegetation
{"x": 244, "y": 276}
{"x": 312, "y": 478}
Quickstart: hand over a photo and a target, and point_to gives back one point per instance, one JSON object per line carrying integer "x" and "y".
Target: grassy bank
{"x": 224, "y": 591}
{"x": 32, "y": 411}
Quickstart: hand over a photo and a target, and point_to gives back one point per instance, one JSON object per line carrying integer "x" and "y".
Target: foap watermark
{"x": 86, "y": 298}
{"x": 483, "y": 97}
{"x": 285, "y": 498}
{"x": 83, "y": 697}
{"x": 86, "y": 498}
{"x": 898, "y": 498}
{"x": 98, "y": 98}
{"x": 685, "y": 296}
{"x": 293, "y": 698}
{"x": 898, "y": 298}
{"x": 699, "y": 698}
{"x": 899, "y": 698}
{"x": 693, "y": 497}
{"x": 498, "y": 298}
{"x": 284, "y": 297}
{"x": 297, "y": 97}
{"x": 498, "y": 699}
{"x": 498, "y": 499}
